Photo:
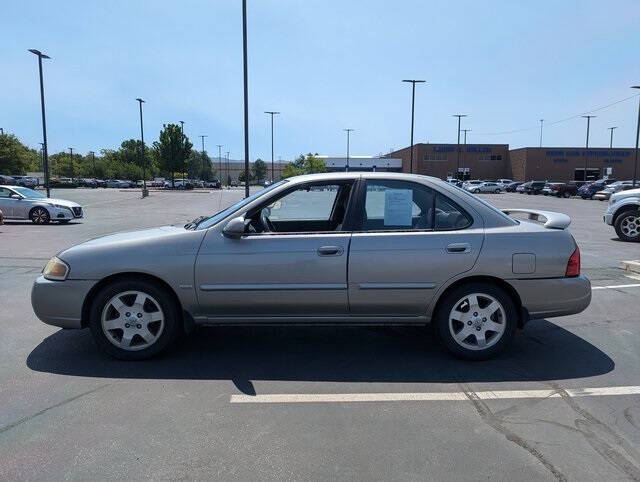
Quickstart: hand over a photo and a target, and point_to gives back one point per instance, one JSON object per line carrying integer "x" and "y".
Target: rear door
{"x": 409, "y": 241}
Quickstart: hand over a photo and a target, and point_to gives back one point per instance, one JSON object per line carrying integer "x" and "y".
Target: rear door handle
{"x": 458, "y": 248}
{"x": 330, "y": 250}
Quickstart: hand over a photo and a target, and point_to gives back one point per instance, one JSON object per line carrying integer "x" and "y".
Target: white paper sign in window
{"x": 397, "y": 207}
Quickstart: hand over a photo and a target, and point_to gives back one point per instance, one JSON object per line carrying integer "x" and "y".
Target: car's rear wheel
{"x": 39, "y": 216}
{"x": 476, "y": 321}
{"x": 627, "y": 225}
{"x": 134, "y": 320}
{"x": 497, "y": 191}
{"x": 566, "y": 194}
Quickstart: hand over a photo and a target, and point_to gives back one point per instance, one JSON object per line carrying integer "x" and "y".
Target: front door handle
{"x": 458, "y": 248}
{"x": 330, "y": 251}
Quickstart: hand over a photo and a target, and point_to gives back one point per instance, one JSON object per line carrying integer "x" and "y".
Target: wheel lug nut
{"x": 138, "y": 326}
{"x": 484, "y": 319}
{"x": 139, "y": 315}
{"x": 478, "y": 328}
{"x": 469, "y": 322}
{"x": 127, "y": 325}
{"x": 127, "y": 314}
{"x": 475, "y": 314}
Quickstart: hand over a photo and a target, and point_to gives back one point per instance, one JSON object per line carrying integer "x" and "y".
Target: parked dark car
{"x": 535, "y": 187}
{"x": 587, "y": 191}
{"x": 511, "y": 187}
{"x": 563, "y": 189}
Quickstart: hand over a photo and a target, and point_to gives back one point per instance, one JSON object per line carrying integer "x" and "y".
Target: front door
{"x": 291, "y": 263}
{"x": 6, "y": 202}
{"x": 410, "y": 241}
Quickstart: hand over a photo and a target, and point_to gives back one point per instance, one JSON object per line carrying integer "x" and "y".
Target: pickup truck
{"x": 623, "y": 213}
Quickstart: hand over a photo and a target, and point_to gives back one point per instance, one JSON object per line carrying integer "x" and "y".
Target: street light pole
{"x": 142, "y": 160}
{"x": 611, "y": 139}
{"x": 41, "y": 154}
{"x": 586, "y": 154}
{"x": 348, "y": 131}
{"x": 44, "y": 121}
{"x": 182, "y": 149}
{"x": 413, "y": 101}
{"x": 464, "y": 152}
{"x": 541, "y": 122}
{"x": 272, "y": 113}
{"x": 220, "y": 161}
{"x": 202, "y": 137}
{"x": 93, "y": 159}
{"x": 459, "y": 116}
{"x": 71, "y": 154}
{"x": 228, "y": 169}
{"x": 635, "y": 164}
{"x": 246, "y": 99}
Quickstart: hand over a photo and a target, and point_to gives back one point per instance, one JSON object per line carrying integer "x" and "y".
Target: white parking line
{"x": 613, "y": 287}
{"x": 431, "y": 396}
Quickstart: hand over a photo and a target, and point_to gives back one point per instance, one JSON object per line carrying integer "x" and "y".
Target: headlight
{"x": 56, "y": 269}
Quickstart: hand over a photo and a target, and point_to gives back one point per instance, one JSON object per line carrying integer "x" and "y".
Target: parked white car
{"x": 17, "y": 202}
{"x": 623, "y": 214}
{"x": 484, "y": 187}
{"x": 25, "y": 181}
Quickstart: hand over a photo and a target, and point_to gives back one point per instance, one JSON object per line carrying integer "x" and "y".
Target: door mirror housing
{"x": 235, "y": 228}
{"x": 16, "y": 196}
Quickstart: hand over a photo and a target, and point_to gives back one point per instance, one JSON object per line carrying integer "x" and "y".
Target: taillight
{"x": 573, "y": 265}
{"x": 555, "y": 188}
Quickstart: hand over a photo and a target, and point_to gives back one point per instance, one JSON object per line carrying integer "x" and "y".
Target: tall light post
{"x": 1, "y": 131}
{"x": 459, "y": 116}
{"x": 93, "y": 162}
{"x": 586, "y": 154}
{"x": 413, "y": 83}
{"x": 182, "y": 149}
{"x": 272, "y": 113}
{"x": 228, "y": 169}
{"x": 41, "y": 154}
{"x": 142, "y": 160}
{"x": 541, "y": 122}
{"x": 464, "y": 152}
{"x": 44, "y": 121}
{"x": 348, "y": 131}
{"x": 71, "y": 154}
{"x": 246, "y": 99}
{"x": 611, "y": 129}
{"x": 202, "y": 137}
{"x": 220, "y": 161}
{"x": 635, "y": 164}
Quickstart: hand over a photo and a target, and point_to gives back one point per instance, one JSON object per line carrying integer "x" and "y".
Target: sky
{"x": 325, "y": 65}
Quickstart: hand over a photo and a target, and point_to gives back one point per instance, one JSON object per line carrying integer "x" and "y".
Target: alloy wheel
{"x": 630, "y": 226}
{"x": 477, "y": 321}
{"x": 40, "y": 216}
{"x": 132, "y": 320}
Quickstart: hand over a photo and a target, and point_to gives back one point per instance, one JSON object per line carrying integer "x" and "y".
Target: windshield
{"x": 210, "y": 221}
{"x": 29, "y": 193}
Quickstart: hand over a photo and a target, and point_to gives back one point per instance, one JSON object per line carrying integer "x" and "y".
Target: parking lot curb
{"x": 633, "y": 266}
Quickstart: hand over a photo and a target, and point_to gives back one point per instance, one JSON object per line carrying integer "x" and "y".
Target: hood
{"x": 59, "y": 202}
{"x": 133, "y": 236}
{"x": 625, "y": 194}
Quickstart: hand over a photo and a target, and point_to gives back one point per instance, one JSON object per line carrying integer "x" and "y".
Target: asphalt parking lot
{"x": 318, "y": 403}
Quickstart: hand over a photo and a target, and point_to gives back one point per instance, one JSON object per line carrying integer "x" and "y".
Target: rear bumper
{"x": 59, "y": 303}
{"x": 546, "y": 298}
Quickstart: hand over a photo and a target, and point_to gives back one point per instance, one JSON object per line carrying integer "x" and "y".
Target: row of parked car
{"x": 601, "y": 189}
{"x": 24, "y": 181}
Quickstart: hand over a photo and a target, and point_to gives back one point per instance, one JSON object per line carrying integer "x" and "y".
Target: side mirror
{"x": 235, "y": 228}
{"x": 16, "y": 196}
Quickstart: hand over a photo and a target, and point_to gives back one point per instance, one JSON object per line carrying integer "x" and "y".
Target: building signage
{"x": 613, "y": 156}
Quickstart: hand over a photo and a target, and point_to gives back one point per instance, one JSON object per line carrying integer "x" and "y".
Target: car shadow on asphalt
{"x": 26, "y": 222}
{"x": 543, "y": 351}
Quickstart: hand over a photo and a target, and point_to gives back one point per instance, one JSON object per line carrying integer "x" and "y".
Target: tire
{"x": 122, "y": 337}
{"x": 627, "y": 225}
{"x": 451, "y": 330}
{"x": 39, "y": 215}
{"x": 529, "y": 193}
{"x": 497, "y": 191}
{"x": 566, "y": 195}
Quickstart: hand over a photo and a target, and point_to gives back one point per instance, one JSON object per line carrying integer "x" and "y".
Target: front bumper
{"x": 546, "y": 298}
{"x": 57, "y": 213}
{"x": 608, "y": 218}
{"x": 59, "y": 303}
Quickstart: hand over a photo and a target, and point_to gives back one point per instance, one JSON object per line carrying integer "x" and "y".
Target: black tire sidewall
{"x": 171, "y": 319}
{"x": 618, "y": 228}
{"x": 441, "y": 320}
{"x": 47, "y": 219}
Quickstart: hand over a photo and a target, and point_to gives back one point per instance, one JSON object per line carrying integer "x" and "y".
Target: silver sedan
{"x": 18, "y": 202}
{"x": 342, "y": 248}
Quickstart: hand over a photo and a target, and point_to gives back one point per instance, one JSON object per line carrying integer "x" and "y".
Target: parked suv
{"x": 623, "y": 214}
{"x": 535, "y": 187}
{"x": 562, "y": 189}
{"x": 25, "y": 181}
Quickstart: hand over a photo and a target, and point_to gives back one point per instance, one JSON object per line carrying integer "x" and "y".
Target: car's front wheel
{"x": 627, "y": 226}
{"x": 134, "y": 320}
{"x": 497, "y": 191}
{"x": 476, "y": 321}
{"x": 39, "y": 216}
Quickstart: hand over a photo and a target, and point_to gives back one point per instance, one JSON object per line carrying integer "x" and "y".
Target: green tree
{"x": 259, "y": 170}
{"x": 172, "y": 150}
{"x": 199, "y": 166}
{"x": 15, "y": 157}
{"x": 308, "y": 164}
